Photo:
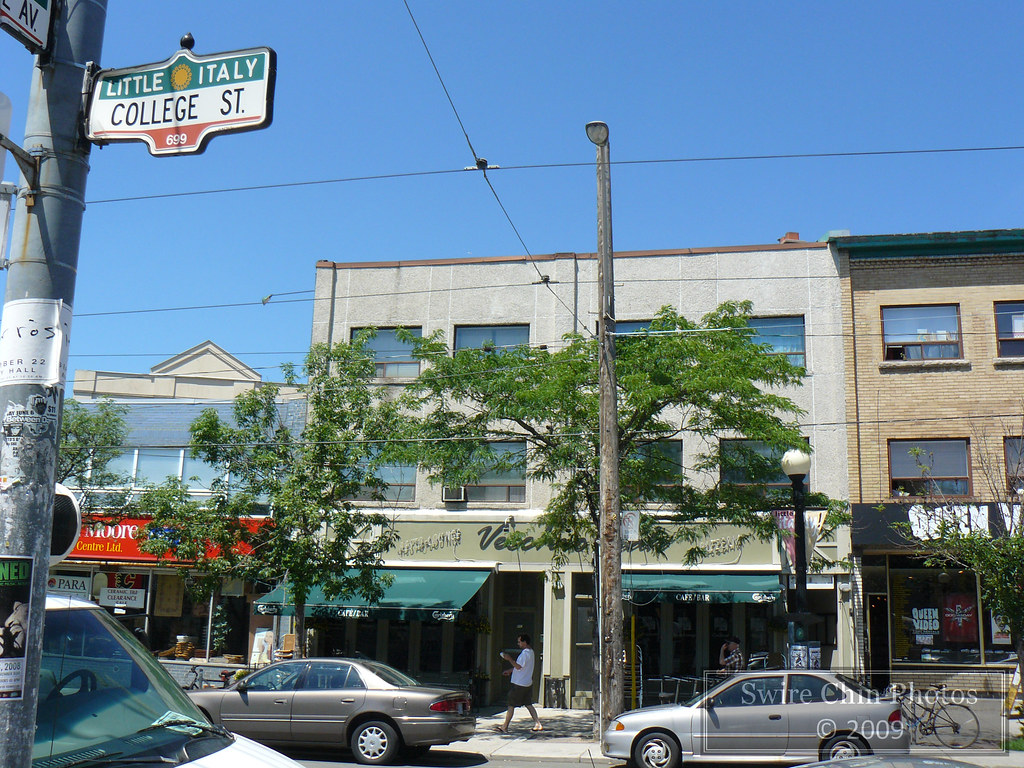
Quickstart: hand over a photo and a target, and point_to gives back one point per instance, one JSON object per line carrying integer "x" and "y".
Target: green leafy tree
{"x": 91, "y": 438}
{"x": 952, "y": 532}
{"x": 695, "y": 381}
{"x": 314, "y": 536}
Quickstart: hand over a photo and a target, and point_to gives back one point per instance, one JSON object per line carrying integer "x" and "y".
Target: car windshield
{"x": 388, "y": 674}
{"x": 98, "y": 688}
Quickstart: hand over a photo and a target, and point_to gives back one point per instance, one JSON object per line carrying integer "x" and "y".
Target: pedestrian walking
{"x": 521, "y": 679}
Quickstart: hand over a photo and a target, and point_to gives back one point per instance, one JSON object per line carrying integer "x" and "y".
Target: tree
{"x": 985, "y": 539}
{"x": 90, "y": 439}
{"x": 305, "y": 477}
{"x": 680, "y": 379}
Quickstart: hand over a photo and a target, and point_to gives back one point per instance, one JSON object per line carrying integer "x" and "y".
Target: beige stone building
{"x": 680, "y": 613}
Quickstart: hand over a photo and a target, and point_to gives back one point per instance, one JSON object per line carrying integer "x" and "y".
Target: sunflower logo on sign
{"x": 181, "y": 76}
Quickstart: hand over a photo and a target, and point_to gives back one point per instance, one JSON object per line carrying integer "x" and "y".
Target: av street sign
{"x": 176, "y": 106}
{"x": 28, "y": 21}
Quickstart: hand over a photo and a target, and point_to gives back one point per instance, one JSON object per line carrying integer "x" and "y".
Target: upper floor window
{"x": 1010, "y": 328}
{"x": 495, "y": 338}
{"x": 152, "y": 466}
{"x": 399, "y": 481}
{"x": 929, "y": 467}
{"x": 1013, "y": 451}
{"x": 752, "y": 462}
{"x": 507, "y": 480}
{"x": 392, "y": 356}
{"x": 927, "y": 332}
{"x": 155, "y": 465}
{"x": 784, "y": 334}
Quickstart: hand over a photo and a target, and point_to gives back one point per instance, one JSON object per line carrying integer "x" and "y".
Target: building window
{"x": 399, "y": 483}
{"x": 660, "y": 462}
{"x": 785, "y": 335}
{"x": 929, "y": 332}
{"x": 928, "y": 467}
{"x": 157, "y": 464}
{"x": 751, "y": 462}
{"x": 1013, "y": 451}
{"x": 198, "y": 475}
{"x": 392, "y": 356}
{"x": 1010, "y": 328}
{"x": 495, "y": 338}
{"x": 507, "y": 481}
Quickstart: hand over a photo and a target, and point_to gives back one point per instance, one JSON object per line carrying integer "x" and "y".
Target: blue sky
{"x": 357, "y": 96}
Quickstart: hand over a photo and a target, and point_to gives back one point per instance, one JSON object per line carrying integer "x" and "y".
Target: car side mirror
{"x": 241, "y": 686}
{"x": 710, "y": 703}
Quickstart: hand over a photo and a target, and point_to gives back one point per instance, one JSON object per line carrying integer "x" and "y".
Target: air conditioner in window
{"x": 457, "y": 493}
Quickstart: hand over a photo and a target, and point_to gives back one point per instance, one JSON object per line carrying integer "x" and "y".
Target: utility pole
{"x": 34, "y": 340}
{"x": 610, "y": 542}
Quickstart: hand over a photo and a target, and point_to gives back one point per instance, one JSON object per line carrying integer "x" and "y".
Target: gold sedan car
{"x": 364, "y": 705}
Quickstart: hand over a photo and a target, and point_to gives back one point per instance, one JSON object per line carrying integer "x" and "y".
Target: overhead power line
{"x": 541, "y": 166}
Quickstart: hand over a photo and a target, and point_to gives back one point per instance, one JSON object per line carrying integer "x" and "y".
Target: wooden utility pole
{"x": 610, "y": 543}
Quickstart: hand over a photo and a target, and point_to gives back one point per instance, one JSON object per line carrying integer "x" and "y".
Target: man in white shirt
{"x": 521, "y": 679}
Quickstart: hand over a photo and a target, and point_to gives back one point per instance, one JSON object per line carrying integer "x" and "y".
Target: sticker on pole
{"x": 15, "y": 595}
{"x": 176, "y": 106}
{"x": 34, "y": 338}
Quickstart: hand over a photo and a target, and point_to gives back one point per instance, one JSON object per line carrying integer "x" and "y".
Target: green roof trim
{"x": 989, "y": 241}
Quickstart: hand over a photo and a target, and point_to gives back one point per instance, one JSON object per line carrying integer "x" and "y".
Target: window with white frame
{"x": 924, "y": 332}
{"x": 392, "y": 356}
{"x": 1010, "y": 328}
{"x": 399, "y": 483}
{"x": 507, "y": 480}
{"x": 495, "y": 338}
{"x": 929, "y": 467}
{"x": 785, "y": 335}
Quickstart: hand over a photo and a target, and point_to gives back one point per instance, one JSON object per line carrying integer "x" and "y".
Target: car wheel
{"x": 656, "y": 750}
{"x": 843, "y": 746}
{"x": 374, "y": 743}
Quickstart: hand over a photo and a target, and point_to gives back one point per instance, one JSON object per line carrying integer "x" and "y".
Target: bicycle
{"x": 195, "y": 679}
{"x": 953, "y": 725}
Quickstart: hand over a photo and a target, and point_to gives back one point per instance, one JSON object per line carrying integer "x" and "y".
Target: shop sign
{"x": 76, "y": 586}
{"x": 122, "y": 597}
{"x": 926, "y": 625}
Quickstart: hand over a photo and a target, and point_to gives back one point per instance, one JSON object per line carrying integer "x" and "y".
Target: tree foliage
{"x": 306, "y": 478}
{"x": 681, "y": 380}
{"x": 91, "y": 438}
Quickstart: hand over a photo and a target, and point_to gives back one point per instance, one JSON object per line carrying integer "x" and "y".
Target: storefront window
{"x": 934, "y": 614}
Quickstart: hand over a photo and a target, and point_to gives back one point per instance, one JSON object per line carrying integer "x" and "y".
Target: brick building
{"x": 935, "y": 376}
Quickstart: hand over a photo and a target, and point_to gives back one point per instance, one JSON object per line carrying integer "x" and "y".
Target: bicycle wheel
{"x": 956, "y": 726}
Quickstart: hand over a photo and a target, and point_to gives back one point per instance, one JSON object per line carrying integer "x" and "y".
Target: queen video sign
{"x": 176, "y": 106}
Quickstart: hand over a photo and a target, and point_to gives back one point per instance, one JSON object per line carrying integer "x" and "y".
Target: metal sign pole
{"x": 34, "y": 339}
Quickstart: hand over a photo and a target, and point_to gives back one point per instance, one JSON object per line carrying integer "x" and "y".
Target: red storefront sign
{"x": 960, "y": 619}
{"x": 120, "y": 541}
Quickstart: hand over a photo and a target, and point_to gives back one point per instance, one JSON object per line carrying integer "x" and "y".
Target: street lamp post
{"x": 609, "y": 577}
{"x": 796, "y": 464}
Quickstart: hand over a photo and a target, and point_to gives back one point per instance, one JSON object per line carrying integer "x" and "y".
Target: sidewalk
{"x": 568, "y": 735}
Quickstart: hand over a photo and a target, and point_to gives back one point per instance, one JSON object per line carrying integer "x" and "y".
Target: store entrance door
{"x": 878, "y": 640}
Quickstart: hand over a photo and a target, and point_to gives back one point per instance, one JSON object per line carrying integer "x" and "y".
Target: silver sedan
{"x": 785, "y": 717}
{"x": 367, "y": 706}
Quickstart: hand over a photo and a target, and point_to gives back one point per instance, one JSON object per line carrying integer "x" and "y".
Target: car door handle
{"x": 348, "y": 701}
{"x": 774, "y": 717}
{"x": 279, "y": 701}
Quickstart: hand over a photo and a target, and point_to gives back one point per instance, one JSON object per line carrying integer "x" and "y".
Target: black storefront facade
{"x": 919, "y": 623}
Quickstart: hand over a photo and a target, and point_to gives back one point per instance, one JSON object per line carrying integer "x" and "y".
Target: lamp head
{"x": 597, "y": 132}
{"x": 796, "y": 462}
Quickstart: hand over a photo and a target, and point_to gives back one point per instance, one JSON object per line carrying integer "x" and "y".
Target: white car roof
{"x": 55, "y": 602}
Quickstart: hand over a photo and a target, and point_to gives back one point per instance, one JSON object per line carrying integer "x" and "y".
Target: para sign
{"x": 176, "y": 106}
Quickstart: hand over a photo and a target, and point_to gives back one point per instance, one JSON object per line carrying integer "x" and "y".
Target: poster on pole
{"x": 15, "y": 597}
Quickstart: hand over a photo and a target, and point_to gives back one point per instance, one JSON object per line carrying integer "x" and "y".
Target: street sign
{"x": 176, "y": 106}
{"x": 28, "y": 21}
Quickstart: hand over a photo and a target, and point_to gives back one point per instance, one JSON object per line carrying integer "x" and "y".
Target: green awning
{"x": 701, "y": 587}
{"x": 415, "y": 593}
